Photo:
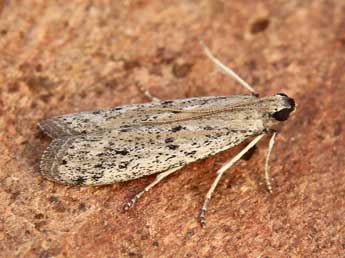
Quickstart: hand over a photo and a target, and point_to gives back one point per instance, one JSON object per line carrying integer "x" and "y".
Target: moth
{"x": 124, "y": 143}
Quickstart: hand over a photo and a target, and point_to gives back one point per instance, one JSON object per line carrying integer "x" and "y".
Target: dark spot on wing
{"x": 122, "y": 152}
{"x": 80, "y": 180}
{"x": 171, "y": 157}
{"x": 190, "y": 153}
{"x": 176, "y": 128}
{"x": 169, "y": 140}
{"x": 208, "y": 127}
{"x": 97, "y": 176}
{"x": 123, "y": 164}
{"x": 172, "y": 146}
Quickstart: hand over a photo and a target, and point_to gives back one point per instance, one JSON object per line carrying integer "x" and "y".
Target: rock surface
{"x": 62, "y": 57}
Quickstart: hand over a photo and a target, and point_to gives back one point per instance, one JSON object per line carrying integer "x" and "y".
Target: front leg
{"x": 220, "y": 173}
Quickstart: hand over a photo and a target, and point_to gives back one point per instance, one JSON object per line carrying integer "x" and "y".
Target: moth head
{"x": 284, "y": 108}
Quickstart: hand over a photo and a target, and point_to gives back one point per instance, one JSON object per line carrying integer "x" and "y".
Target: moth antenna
{"x": 226, "y": 70}
{"x": 267, "y": 168}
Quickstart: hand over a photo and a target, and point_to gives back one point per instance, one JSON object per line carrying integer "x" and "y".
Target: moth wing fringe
{"x": 50, "y": 157}
{"x": 53, "y": 128}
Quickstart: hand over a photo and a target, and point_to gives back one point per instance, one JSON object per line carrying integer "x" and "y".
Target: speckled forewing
{"x": 115, "y": 156}
{"x": 117, "y": 117}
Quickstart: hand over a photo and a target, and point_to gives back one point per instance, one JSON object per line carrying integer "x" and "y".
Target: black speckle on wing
{"x": 176, "y": 128}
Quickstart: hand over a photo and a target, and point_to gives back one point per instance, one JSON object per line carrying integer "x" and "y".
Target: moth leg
{"x": 220, "y": 173}
{"x": 226, "y": 70}
{"x": 269, "y": 150}
{"x": 147, "y": 93}
{"x": 159, "y": 178}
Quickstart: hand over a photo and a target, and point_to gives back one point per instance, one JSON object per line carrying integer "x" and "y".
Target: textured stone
{"x": 58, "y": 58}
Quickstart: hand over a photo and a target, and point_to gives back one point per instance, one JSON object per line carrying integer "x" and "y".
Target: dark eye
{"x": 282, "y": 115}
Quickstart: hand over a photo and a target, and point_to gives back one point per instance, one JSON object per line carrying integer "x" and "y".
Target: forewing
{"x": 114, "y": 155}
{"x": 131, "y": 115}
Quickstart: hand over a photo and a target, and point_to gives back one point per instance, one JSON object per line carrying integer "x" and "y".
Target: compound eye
{"x": 282, "y": 115}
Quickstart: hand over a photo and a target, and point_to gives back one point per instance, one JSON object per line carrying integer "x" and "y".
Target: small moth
{"x": 123, "y": 143}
